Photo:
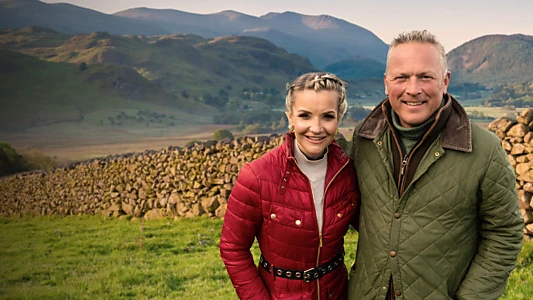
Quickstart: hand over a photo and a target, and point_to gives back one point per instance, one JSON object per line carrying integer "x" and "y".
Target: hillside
{"x": 31, "y": 37}
{"x": 181, "y": 64}
{"x": 320, "y": 56}
{"x": 38, "y": 93}
{"x": 493, "y": 60}
{"x": 357, "y": 68}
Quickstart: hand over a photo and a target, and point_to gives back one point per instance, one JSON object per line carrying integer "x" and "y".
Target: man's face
{"x": 415, "y": 82}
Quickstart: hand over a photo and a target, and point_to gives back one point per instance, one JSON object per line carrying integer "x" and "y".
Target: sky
{"x": 454, "y": 22}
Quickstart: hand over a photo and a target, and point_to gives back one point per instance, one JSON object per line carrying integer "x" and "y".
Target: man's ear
{"x": 385, "y": 84}
{"x": 447, "y": 78}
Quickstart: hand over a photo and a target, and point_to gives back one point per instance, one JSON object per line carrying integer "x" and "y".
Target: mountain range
{"x": 323, "y": 39}
{"x": 178, "y": 59}
{"x": 179, "y": 71}
{"x": 175, "y": 62}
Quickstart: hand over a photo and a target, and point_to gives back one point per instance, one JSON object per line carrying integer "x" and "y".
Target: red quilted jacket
{"x": 273, "y": 202}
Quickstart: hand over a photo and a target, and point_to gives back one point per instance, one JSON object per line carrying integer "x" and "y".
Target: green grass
{"x": 91, "y": 257}
{"x": 520, "y": 284}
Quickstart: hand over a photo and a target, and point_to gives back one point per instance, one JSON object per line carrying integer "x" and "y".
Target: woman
{"x": 298, "y": 201}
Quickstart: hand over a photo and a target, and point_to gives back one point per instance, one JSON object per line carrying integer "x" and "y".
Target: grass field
{"x": 90, "y": 257}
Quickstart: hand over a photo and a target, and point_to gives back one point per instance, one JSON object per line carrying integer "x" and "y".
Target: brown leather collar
{"x": 457, "y": 132}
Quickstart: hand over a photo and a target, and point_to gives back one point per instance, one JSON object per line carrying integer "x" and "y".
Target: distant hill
{"x": 68, "y": 19}
{"x": 31, "y": 37}
{"x": 37, "y": 92}
{"x": 178, "y": 63}
{"x": 357, "y": 68}
{"x": 493, "y": 60}
{"x": 323, "y": 39}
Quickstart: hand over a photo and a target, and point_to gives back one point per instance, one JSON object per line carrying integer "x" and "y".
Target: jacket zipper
{"x": 401, "y": 180}
{"x": 320, "y": 231}
{"x": 407, "y": 158}
{"x": 317, "y": 259}
{"x": 403, "y": 165}
{"x": 320, "y": 234}
{"x": 405, "y": 162}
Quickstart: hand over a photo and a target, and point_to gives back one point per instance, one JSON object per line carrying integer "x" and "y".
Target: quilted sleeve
{"x": 501, "y": 232}
{"x": 355, "y": 219}
{"x": 353, "y": 152}
{"x": 241, "y": 224}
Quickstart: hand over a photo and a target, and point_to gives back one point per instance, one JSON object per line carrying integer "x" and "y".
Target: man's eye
{"x": 400, "y": 77}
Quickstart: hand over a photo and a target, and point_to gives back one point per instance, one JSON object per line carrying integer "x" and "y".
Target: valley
{"x": 91, "y": 84}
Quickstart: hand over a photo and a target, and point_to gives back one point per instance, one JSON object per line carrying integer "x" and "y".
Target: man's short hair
{"x": 420, "y": 36}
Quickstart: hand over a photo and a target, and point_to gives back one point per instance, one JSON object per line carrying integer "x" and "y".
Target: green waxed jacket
{"x": 446, "y": 225}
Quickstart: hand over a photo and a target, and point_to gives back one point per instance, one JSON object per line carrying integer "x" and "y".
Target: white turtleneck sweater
{"x": 315, "y": 170}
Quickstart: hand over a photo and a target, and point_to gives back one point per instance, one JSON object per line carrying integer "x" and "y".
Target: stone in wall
{"x": 173, "y": 182}
{"x": 517, "y": 139}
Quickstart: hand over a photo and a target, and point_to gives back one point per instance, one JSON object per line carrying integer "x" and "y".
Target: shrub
{"x": 36, "y": 160}
{"x": 83, "y": 66}
{"x": 256, "y": 129}
{"x": 10, "y": 161}
{"x": 192, "y": 142}
{"x": 222, "y": 134}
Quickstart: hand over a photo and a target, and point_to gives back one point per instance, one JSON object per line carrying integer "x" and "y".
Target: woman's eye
{"x": 329, "y": 117}
{"x": 303, "y": 116}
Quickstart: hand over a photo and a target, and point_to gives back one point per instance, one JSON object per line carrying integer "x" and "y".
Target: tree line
{"x": 517, "y": 95}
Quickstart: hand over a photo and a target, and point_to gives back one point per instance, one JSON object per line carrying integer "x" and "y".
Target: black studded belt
{"x": 307, "y": 275}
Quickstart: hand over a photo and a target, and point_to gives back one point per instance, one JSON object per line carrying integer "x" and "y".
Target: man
{"x": 439, "y": 215}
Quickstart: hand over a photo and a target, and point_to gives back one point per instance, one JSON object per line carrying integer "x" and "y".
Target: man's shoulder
{"x": 482, "y": 135}
{"x": 486, "y": 144}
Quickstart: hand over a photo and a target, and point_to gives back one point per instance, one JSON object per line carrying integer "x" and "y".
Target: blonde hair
{"x": 318, "y": 81}
{"x": 420, "y": 36}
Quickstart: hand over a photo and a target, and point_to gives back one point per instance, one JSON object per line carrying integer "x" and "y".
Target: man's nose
{"x": 413, "y": 86}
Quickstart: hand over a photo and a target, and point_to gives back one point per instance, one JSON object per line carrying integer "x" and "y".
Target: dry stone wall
{"x": 176, "y": 181}
{"x": 195, "y": 180}
{"x": 517, "y": 140}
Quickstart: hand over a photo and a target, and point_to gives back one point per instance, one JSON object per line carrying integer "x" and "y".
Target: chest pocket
{"x": 288, "y": 226}
{"x": 286, "y": 216}
{"x": 346, "y": 207}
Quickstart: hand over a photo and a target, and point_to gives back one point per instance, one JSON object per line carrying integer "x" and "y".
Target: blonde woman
{"x": 298, "y": 201}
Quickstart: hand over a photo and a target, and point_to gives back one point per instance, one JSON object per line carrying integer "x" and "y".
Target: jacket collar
{"x": 457, "y": 131}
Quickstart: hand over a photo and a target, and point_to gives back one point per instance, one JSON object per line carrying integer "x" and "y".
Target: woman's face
{"x": 315, "y": 117}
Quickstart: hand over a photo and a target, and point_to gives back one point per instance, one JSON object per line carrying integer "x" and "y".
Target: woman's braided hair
{"x": 318, "y": 81}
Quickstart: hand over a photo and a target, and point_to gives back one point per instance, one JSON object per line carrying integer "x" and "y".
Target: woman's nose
{"x": 316, "y": 126}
